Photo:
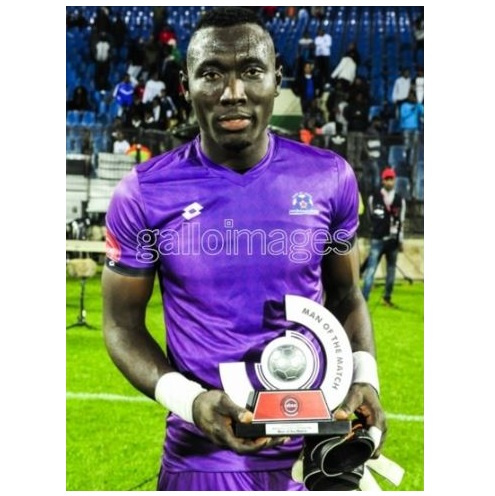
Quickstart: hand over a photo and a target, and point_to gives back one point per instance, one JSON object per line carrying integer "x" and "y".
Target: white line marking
{"x": 401, "y": 417}
{"x": 106, "y": 397}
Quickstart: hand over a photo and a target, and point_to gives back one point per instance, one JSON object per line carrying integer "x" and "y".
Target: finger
{"x": 246, "y": 417}
{"x": 233, "y": 410}
{"x": 349, "y": 405}
{"x": 342, "y": 413}
{"x": 276, "y": 441}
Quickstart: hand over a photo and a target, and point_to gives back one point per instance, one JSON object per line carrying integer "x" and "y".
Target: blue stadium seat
{"x": 420, "y": 190}
{"x": 421, "y": 152}
{"x": 403, "y": 187}
{"x": 88, "y": 118}
{"x": 375, "y": 111}
{"x": 394, "y": 126}
{"x": 396, "y": 155}
{"x": 420, "y": 171}
{"x": 73, "y": 118}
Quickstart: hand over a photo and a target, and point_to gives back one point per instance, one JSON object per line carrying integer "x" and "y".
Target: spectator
{"x": 135, "y": 109}
{"x": 353, "y": 52}
{"x": 167, "y": 109}
{"x": 120, "y": 145}
{"x": 136, "y": 120}
{"x": 374, "y": 154}
{"x": 119, "y": 31}
{"x": 311, "y": 129}
{"x": 167, "y": 35}
{"x": 153, "y": 87}
{"x": 86, "y": 141}
{"x": 135, "y": 57}
{"x": 359, "y": 86}
{"x": 410, "y": 116}
{"x": 158, "y": 113}
{"x": 268, "y": 13}
{"x": 139, "y": 88}
{"x": 149, "y": 121}
{"x": 102, "y": 55}
{"x": 124, "y": 94}
{"x": 323, "y": 45}
{"x": 314, "y": 117}
{"x": 79, "y": 100}
{"x": 336, "y": 95}
{"x": 419, "y": 35}
{"x": 401, "y": 89}
{"x": 170, "y": 71}
{"x": 308, "y": 86}
{"x": 290, "y": 12}
{"x": 151, "y": 57}
{"x": 419, "y": 85}
{"x": 76, "y": 20}
{"x": 103, "y": 23}
{"x": 345, "y": 71}
{"x": 318, "y": 12}
{"x": 159, "y": 16}
{"x": 305, "y": 48}
{"x": 356, "y": 114}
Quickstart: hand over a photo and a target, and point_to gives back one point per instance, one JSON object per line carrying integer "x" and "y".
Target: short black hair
{"x": 224, "y": 17}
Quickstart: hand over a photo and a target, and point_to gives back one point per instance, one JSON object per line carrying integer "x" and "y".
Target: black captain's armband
{"x": 129, "y": 271}
{"x": 340, "y": 244}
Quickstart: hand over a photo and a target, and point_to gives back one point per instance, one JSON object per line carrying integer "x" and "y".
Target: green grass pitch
{"x": 115, "y": 445}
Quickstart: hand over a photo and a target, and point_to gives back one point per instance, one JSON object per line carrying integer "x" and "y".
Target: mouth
{"x": 234, "y": 122}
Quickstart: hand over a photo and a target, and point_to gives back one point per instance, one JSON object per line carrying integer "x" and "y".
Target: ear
{"x": 278, "y": 79}
{"x": 185, "y": 85}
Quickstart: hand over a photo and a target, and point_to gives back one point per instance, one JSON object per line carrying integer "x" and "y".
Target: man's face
{"x": 232, "y": 83}
{"x": 389, "y": 183}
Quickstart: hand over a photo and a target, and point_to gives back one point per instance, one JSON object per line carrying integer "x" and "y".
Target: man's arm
{"x": 132, "y": 348}
{"x": 142, "y": 361}
{"x": 340, "y": 277}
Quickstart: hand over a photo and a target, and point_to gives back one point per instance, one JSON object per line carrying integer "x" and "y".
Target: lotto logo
{"x": 192, "y": 211}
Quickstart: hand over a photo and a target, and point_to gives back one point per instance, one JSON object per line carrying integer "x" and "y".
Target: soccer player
{"x": 230, "y": 223}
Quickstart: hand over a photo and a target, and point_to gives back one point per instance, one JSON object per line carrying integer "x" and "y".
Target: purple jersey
{"x": 227, "y": 248}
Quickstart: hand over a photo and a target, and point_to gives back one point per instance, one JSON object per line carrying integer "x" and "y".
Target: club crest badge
{"x": 302, "y": 204}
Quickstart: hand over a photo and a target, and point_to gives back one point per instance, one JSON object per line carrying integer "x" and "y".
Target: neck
{"x": 237, "y": 160}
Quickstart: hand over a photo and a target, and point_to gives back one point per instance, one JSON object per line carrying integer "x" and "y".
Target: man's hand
{"x": 214, "y": 413}
{"x": 362, "y": 399}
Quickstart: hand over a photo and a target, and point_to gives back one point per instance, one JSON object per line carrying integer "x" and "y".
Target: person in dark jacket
{"x": 308, "y": 86}
{"x": 387, "y": 210}
{"x": 356, "y": 114}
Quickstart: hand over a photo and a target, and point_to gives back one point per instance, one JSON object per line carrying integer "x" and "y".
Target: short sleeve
{"x": 129, "y": 241}
{"x": 346, "y": 219}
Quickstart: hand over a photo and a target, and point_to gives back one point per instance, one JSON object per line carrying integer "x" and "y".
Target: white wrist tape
{"x": 177, "y": 394}
{"x": 375, "y": 434}
{"x": 365, "y": 369}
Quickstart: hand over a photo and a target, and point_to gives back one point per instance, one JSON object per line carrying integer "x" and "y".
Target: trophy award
{"x": 301, "y": 383}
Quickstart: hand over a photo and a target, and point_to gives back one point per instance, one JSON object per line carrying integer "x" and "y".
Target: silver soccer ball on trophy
{"x": 287, "y": 362}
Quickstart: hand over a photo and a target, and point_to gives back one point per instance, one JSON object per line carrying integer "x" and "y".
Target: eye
{"x": 211, "y": 76}
{"x": 253, "y": 72}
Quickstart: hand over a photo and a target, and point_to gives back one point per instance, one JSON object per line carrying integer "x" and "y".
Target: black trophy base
{"x": 293, "y": 428}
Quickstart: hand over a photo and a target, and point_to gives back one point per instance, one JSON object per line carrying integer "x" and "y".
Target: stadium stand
{"x": 385, "y": 41}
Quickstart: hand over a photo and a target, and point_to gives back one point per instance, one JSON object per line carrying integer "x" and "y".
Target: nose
{"x": 234, "y": 92}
